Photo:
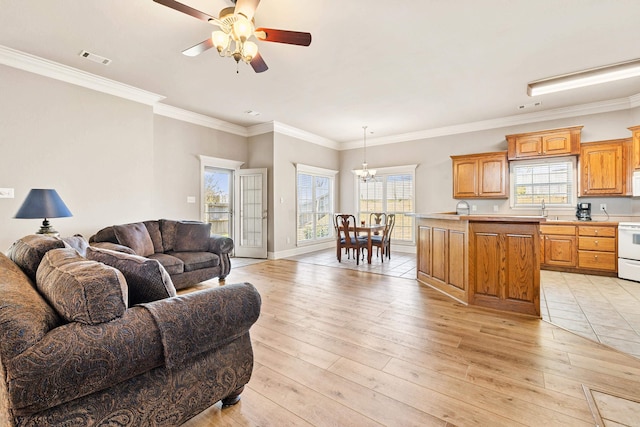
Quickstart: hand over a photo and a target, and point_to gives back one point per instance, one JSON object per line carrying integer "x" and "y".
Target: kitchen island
{"x": 486, "y": 260}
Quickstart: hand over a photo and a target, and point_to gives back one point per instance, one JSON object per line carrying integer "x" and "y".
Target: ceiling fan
{"x": 236, "y": 27}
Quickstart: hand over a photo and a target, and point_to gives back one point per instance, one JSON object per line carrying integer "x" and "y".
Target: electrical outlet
{"x": 603, "y": 206}
{"x": 495, "y": 208}
{"x": 474, "y": 208}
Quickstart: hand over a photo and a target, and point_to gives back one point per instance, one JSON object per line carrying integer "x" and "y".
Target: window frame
{"x": 315, "y": 171}
{"x": 385, "y": 172}
{"x": 573, "y": 185}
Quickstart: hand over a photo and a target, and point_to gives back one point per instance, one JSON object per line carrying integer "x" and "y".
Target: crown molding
{"x": 198, "y": 119}
{"x": 34, "y": 64}
{"x": 283, "y": 129}
{"x": 519, "y": 119}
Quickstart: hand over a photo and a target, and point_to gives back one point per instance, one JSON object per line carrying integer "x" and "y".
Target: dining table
{"x": 370, "y": 230}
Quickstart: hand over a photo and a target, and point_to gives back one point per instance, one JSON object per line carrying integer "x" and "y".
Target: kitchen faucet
{"x": 544, "y": 215}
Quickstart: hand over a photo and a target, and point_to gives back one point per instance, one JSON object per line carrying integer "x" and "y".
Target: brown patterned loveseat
{"x": 186, "y": 249}
{"x": 73, "y": 352}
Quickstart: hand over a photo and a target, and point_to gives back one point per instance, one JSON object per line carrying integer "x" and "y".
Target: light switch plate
{"x": 191, "y": 199}
{"x": 6, "y": 193}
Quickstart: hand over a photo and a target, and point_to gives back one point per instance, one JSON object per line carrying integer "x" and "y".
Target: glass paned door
{"x": 218, "y": 200}
{"x": 251, "y": 237}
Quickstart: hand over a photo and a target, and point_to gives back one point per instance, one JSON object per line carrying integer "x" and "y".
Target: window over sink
{"x": 551, "y": 180}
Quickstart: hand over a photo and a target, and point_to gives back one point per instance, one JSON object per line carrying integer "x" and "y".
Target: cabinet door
{"x": 556, "y": 145}
{"x": 602, "y": 170}
{"x": 504, "y": 267}
{"x": 528, "y": 146}
{"x": 424, "y": 250}
{"x": 465, "y": 175}
{"x": 635, "y": 150}
{"x": 560, "y": 250}
{"x": 492, "y": 176}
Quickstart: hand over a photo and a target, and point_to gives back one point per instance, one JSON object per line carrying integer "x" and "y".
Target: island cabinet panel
{"x": 424, "y": 250}
{"x": 503, "y": 266}
{"x": 442, "y": 256}
{"x": 440, "y": 253}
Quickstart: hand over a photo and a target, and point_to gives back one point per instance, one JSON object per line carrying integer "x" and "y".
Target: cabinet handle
{"x": 596, "y": 242}
{"x": 596, "y": 232}
{"x": 595, "y": 256}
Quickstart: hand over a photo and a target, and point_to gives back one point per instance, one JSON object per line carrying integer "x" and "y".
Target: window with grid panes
{"x": 392, "y": 193}
{"x": 552, "y": 180}
{"x": 314, "y": 204}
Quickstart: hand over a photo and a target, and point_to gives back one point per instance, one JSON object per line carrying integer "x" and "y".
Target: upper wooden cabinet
{"x": 478, "y": 176}
{"x": 635, "y": 157}
{"x": 547, "y": 143}
{"x": 604, "y": 168}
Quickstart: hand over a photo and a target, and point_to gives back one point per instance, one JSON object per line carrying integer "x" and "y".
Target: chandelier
{"x": 233, "y": 37}
{"x": 365, "y": 174}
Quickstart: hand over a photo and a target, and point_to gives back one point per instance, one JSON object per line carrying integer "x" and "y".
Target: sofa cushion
{"x": 81, "y": 290}
{"x": 192, "y": 236}
{"x": 168, "y": 231}
{"x": 77, "y": 242}
{"x": 147, "y": 279}
{"x": 113, "y": 247}
{"x": 153, "y": 227}
{"x": 197, "y": 260}
{"x": 28, "y": 251}
{"x": 170, "y": 263}
{"x": 136, "y": 237}
{"x": 107, "y": 234}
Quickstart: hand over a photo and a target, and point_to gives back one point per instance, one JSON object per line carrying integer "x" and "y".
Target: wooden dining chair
{"x": 377, "y": 218}
{"x": 348, "y": 237}
{"x": 388, "y": 230}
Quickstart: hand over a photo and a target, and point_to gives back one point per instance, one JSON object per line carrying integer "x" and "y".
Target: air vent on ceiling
{"x": 530, "y": 105}
{"x": 95, "y": 58}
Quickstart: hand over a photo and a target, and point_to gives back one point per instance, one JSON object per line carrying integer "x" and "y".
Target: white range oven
{"x": 629, "y": 250}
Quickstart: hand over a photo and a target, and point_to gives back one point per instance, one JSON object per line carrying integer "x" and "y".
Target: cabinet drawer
{"x": 603, "y": 244}
{"x": 564, "y": 230}
{"x": 597, "y": 260}
{"x": 594, "y": 230}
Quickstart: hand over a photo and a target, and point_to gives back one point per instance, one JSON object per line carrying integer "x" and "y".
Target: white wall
{"x": 95, "y": 149}
{"x": 176, "y": 148}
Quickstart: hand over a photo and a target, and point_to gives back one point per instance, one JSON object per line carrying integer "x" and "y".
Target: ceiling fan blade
{"x": 199, "y": 48}
{"x": 247, "y": 7}
{"x": 283, "y": 36}
{"x": 258, "y": 64}
{"x": 186, "y": 9}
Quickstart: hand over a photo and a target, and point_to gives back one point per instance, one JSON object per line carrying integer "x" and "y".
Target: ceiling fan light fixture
{"x": 220, "y": 40}
{"x": 242, "y": 28}
{"x": 249, "y": 51}
{"x": 593, "y": 76}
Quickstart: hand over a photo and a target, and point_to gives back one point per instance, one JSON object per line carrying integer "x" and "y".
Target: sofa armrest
{"x": 113, "y": 247}
{"x": 222, "y": 246}
{"x": 197, "y": 322}
{"x": 78, "y": 359}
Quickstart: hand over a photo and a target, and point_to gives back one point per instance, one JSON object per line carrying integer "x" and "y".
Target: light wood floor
{"x": 337, "y": 347}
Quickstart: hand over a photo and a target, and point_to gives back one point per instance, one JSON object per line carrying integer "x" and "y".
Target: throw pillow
{"x": 77, "y": 242}
{"x": 80, "y": 290}
{"x": 28, "y": 251}
{"x": 192, "y": 236}
{"x": 136, "y": 236}
{"x": 146, "y": 278}
{"x": 153, "y": 227}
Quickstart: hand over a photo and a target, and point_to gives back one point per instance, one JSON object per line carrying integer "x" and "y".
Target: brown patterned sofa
{"x": 184, "y": 248}
{"x": 82, "y": 345}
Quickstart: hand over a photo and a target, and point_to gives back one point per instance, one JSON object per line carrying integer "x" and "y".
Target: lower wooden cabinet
{"x": 589, "y": 249}
{"x": 504, "y": 264}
